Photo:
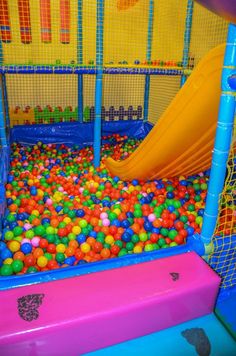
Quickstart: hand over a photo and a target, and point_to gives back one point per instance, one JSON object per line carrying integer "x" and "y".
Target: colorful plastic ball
{"x": 42, "y": 261}
{"x": 14, "y": 246}
{"x": 85, "y": 247}
{"x": 8, "y": 235}
{"x": 6, "y": 270}
{"x": 26, "y": 248}
{"x": 17, "y": 266}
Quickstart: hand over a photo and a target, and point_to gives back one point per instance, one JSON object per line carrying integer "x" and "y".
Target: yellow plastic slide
{"x": 181, "y": 142}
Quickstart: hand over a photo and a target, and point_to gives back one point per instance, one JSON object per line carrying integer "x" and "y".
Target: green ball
{"x": 148, "y": 248}
{"x": 161, "y": 242}
{"x": 32, "y": 269}
{"x": 6, "y": 270}
{"x": 191, "y": 207}
{"x": 172, "y": 244}
{"x": 172, "y": 234}
{"x": 17, "y": 231}
{"x": 17, "y": 266}
{"x": 11, "y": 217}
{"x": 203, "y": 186}
{"x": 122, "y": 252}
{"x": 29, "y": 234}
{"x": 8, "y": 235}
{"x": 143, "y": 236}
{"x": 130, "y": 246}
{"x": 39, "y": 230}
{"x": 60, "y": 257}
{"x": 164, "y": 231}
{"x": 135, "y": 238}
{"x": 138, "y": 213}
{"x": 183, "y": 218}
{"x": 50, "y": 230}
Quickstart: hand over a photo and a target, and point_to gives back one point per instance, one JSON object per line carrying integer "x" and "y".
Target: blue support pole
{"x": 148, "y": 57}
{"x": 187, "y": 39}
{"x": 222, "y": 140}
{"x": 98, "y": 84}
{"x": 80, "y": 59}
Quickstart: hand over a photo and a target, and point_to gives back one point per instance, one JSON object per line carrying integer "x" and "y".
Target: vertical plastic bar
{"x": 45, "y": 21}
{"x": 5, "y": 25}
{"x": 24, "y": 19}
{"x": 5, "y": 98}
{"x": 222, "y": 140}
{"x": 98, "y": 84}
{"x": 65, "y": 21}
{"x": 3, "y": 136}
{"x": 187, "y": 38}
{"x": 148, "y": 57}
{"x": 80, "y": 59}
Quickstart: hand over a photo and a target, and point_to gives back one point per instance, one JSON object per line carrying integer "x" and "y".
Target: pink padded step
{"x": 85, "y": 313}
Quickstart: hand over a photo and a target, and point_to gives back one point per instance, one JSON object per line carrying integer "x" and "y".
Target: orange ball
{"x": 38, "y": 252}
{"x": 19, "y": 256}
{"x": 105, "y": 253}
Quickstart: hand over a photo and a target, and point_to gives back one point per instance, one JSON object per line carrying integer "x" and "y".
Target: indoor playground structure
{"x": 117, "y": 177}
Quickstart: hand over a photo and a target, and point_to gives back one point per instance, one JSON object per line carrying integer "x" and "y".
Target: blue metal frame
{"x": 187, "y": 39}
{"x": 80, "y": 59}
{"x": 148, "y": 57}
{"x": 98, "y": 84}
{"x": 222, "y": 140}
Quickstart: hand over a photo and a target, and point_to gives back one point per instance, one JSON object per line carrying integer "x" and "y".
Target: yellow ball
{"x": 85, "y": 247}
{"x": 76, "y": 230}
{"x": 109, "y": 239}
{"x": 8, "y": 261}
{"x": 67, "y": 220}
{"x": 35, "y": 212}
{"x": 138, "y": 249}
{"x": 117, "y": 211}
{"x": 14, "y": 246}
{"x": 40, "y": 193}
{"x": 30, "y": 182}
{"x": 42, "y": 261}
{"x": 60, "y": 248}
{"x": 131, "y": 188}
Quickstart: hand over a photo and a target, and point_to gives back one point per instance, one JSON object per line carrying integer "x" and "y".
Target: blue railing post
{"x": 98, "y": 84}
{"x": 148, "y": 57}
{"x": 187, "y": 39}
{"x": 80, "y": 59}
{"x": 5, "y": 97}
{"x": 222, "y": 140}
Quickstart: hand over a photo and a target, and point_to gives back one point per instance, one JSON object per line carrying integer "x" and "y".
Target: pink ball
{"x": 35, "y": 241}
{"x": 103, "y": 216}
{"x": 105, "y": 222}
{"x": 49, "y": 201}
{"x": 151, "y": 217}
{"x": 81, "y": 190}
{"x": 60, "y": 189}
{"x": 27, "y": 226}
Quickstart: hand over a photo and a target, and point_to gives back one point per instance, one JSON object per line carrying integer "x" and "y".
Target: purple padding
{"x": 81, "y": 314}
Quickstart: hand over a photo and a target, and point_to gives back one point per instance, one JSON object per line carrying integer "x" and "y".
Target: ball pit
{"x": 61, "y": 211}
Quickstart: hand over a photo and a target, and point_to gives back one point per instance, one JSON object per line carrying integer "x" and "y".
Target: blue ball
{"x": 81, "y": 238}
{"x": 80, "y": 213}
{"x": 126, "y": 237}
{"x": 26, "y": 248}
{"x": 125, "y": 224}
{"x": 6, "y": 254}
{"x": 190, "y": 230}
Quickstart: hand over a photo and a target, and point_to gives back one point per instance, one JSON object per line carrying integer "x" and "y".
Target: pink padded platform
{"x": 89, "y": 312}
